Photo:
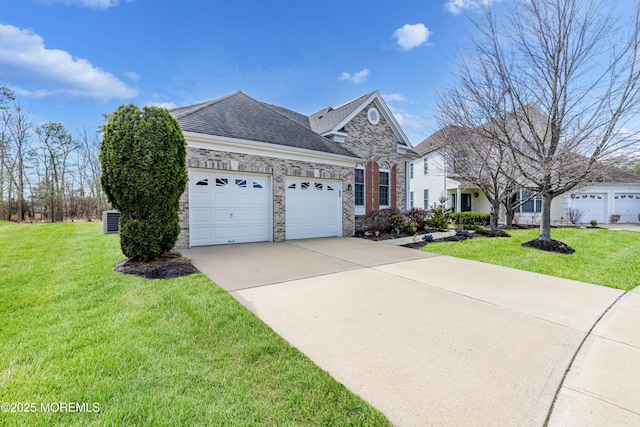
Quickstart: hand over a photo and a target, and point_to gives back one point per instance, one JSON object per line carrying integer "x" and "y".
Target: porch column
{"x": 458, "y": 199}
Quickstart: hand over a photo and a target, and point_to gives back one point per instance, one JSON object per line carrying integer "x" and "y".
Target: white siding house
{"x": 616, "y": 196}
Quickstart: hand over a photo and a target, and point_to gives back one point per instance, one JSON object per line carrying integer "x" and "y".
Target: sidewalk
{"x": 602, "y": 386}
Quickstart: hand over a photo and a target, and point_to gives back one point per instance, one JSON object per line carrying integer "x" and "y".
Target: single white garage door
{"x": 227, "y": 207}
{"x": 627, "y": 205}
{"x": 313, "y": 208}
{"x": 592, "y": 205}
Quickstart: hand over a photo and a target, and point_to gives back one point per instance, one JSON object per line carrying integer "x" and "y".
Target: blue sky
{"x": 70, "y": 61}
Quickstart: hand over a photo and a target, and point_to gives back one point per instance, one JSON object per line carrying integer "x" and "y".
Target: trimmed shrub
{"x": 380, "y": 220}
{"x": 481, "y": 230}
{"x": 410, "y": 227}
{"x": 462, "y": 219}
{"x": 397, "y": 222}
{"x": 419, "y": 216}
{"x": 143, "y": 157}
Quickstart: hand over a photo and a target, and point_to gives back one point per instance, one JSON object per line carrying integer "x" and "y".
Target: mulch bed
{"x": 549, "y": 246}
{"x": 167, "y": 266}
{"x": 456, "y": 238}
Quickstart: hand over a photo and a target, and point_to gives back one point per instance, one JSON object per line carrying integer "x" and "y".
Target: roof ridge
{"x": 270, "y": 107}
{"x": 202, "y": 105}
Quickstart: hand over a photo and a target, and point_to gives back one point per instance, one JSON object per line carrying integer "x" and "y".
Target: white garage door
{"x": 627, "y": 205}
{"x": 592, "y": 205}
{"x": 228, "y": 207}
{"x": 313, "y": 208}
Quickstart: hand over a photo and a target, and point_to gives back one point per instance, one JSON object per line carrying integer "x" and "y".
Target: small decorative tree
{"x": 143, "y": 157}
{"x": 440, "y": 215}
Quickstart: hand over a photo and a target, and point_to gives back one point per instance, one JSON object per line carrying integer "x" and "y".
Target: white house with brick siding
{"x": 259, "y": 172}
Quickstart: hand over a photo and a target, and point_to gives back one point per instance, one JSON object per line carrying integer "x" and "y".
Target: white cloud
{"x": 133, "y": 76}
{"x": 411, "y": 35}
{"x": 356, "y": 78}
{"x": 406, "y": 119}
{"x": 394, "y": 97}
{"x": 97, "y": 4}
{"x": 458, "y": 6}
{"x": 55, "y": 73}
{"x": 167, "y": 105}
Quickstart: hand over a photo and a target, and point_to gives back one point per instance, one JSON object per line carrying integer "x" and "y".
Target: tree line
{"x": 46, "y": 173}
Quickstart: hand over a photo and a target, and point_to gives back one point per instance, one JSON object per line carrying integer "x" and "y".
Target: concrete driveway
{"x": 635, "y": 227}
{"x": 435, "y": 340}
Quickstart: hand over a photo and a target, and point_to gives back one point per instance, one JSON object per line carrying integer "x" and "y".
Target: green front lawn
{"x": 169, "y": 352}
{"x": 603, "y": 257}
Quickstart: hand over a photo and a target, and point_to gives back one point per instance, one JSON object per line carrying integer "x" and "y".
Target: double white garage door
{"x": 594, "y": 206}
{"x": 228, "y": 207}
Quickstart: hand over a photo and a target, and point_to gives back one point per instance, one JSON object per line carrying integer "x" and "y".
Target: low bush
{"x": 419, "y": 216}
{"x": 410, "y": 227}
{"x": 397, "y": 222}
{"x": 470, "y": 218}
{"x": 481, "y": 230}
{"x": 380, "y": 221}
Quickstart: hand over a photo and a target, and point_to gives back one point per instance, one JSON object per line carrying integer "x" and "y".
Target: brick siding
{"x": 279, "y": 170}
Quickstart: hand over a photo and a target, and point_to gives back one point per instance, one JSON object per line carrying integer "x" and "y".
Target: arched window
{"x": 385, "y": 185}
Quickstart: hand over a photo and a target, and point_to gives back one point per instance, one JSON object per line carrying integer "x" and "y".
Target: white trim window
{"x": 425, "y": 166}
{"x": 411, "y": 170}
{"x": 359, "y": 188}
{"x": 426, "y": 198}
{"x": 385, "y": 185}
{"x": 533, "y": 205}
{"x": 411, "y": 199}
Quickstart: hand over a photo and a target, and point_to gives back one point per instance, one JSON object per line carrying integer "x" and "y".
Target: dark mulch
{"x": 550, "y": 246}
{"x": 167, "y": 266}
{"x": 456, "y": 238}
{"x": 499, "y": 233}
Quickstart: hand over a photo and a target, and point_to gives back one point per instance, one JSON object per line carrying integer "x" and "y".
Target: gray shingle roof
{"x": 295, "y": 116}
{"x": 437, "y": 139}
{"x": 242, "y": 117}
{"x": 328, "y": 118}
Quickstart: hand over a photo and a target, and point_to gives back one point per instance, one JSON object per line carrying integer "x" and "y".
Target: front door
{"x": 466, "y": 203}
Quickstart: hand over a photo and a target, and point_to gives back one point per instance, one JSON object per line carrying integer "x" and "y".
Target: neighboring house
{"x": 259, "y": 172}
{"x": 614, "y": 192}
{"x": 431, "y": 178}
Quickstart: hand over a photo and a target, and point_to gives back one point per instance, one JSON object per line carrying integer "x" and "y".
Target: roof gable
{"x": 241, "y": 117}
{"x": 334, "y": 119}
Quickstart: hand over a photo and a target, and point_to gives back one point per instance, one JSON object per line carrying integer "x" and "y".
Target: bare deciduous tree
{"x": 18, "y": 127}
{"x": 556, "y": 84}
{"x": 56, "y": 146}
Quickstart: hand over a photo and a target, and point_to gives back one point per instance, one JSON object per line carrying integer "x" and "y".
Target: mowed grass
{"x": 177, "y": 352}
{"x": 603, "y": 257}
